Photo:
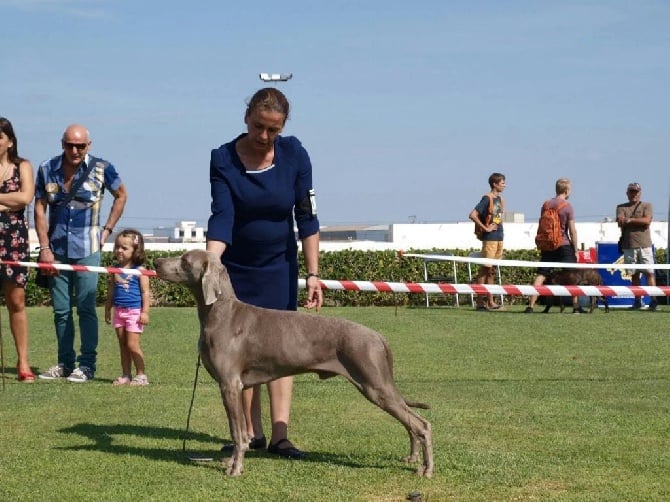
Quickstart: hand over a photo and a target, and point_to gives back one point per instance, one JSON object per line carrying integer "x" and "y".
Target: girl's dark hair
{"x": 13, "y": 152}
{"x": 139, "y": 257}
{"x": 270, "y": 99}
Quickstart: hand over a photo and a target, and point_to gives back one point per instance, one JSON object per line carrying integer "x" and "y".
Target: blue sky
{"x": 404, "y": 107}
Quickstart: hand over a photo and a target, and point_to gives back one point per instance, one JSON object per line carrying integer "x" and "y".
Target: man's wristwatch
{"x": 311, "y": 275}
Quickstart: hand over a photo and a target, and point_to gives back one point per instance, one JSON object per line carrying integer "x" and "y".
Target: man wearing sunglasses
{"x": 71, "y": 187}
{"x": 634, "y": 217}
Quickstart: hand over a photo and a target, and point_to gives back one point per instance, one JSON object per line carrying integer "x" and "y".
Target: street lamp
{"x": 275, "y": 77}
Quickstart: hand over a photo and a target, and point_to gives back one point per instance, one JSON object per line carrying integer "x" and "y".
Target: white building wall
{"x": 456, "y": 236}
{"x": 517, "y": 235}
{"x": 405, "y": 236}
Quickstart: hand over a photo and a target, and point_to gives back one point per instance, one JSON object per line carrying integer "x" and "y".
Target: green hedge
{"x": 348, "y": 265}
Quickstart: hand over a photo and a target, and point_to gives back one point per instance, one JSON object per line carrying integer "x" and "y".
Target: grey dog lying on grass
{"x": 242, "y": 346}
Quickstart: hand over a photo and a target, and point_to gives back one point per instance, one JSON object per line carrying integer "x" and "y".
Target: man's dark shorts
{"x": 564, "y": 254}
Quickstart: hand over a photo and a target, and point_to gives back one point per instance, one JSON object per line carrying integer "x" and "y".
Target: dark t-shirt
{"x": 483, "y": 210}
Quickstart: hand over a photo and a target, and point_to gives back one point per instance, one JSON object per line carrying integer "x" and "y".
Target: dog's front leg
{"x": 231, "y": 394}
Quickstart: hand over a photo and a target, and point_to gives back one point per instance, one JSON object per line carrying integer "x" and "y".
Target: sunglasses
{"x": 78, "y": 146}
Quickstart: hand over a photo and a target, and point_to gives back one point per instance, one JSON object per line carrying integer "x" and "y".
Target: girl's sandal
{"x": 139, "y": 380}
{"x": 122, "y": 380}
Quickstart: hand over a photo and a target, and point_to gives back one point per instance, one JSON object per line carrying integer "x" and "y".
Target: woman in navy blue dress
{"x": 261, "y": 186}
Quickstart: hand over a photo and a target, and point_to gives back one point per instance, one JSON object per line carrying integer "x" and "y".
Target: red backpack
{"x": 549, "y": 233}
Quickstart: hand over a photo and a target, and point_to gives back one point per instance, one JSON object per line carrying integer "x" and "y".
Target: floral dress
{"x": 14, "y": 243}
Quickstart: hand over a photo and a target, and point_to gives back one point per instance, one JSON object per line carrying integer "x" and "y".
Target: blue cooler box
{"x": 608, "y": 252}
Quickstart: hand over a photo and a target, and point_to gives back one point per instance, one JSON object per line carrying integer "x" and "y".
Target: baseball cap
{"x": 634, "y": 187}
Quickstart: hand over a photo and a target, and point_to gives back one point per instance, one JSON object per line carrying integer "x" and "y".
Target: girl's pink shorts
{"x": 128, "y": 318}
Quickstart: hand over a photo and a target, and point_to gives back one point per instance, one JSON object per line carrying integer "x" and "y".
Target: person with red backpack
{"x": 487, "y": 217}
{"x": 562, "y": 247}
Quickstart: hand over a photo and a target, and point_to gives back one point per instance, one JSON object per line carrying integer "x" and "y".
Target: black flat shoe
{"x": 287, "y": 450}
{"x": 254, "y": 444}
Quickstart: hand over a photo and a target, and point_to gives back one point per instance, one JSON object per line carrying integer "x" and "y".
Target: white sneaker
{"x": 54, "y": 373}
{"x": 80, "y": 375}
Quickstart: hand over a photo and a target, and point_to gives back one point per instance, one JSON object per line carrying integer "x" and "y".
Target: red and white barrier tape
{"x": 78, "y": 268}
{"x": 504, "y": 289}
{"x": 404, "y": 287}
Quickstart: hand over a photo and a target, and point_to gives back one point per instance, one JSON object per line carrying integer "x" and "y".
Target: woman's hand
{"x": 314, "y": 293}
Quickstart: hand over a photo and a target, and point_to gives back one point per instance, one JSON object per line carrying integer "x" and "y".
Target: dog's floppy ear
{"x": 211, "y": 279}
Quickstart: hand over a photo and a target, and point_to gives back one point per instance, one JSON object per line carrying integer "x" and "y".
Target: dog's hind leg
{"x": 231, "y": 394}
{"x": 418, "y": 428}
{"x": 420, "y": 433}
{"x": 368, "y": 365}
{"x": 373, "y": 377}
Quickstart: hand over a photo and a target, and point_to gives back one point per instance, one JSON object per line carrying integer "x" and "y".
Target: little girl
{"x": 130, "y": 295}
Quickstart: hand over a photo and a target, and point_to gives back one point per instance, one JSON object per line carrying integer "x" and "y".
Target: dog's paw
{"x": 411, "y": 459}
{"x": 232, "y": 467}
{"x": 425, "y": 472}
{"x": 235, "y": 469}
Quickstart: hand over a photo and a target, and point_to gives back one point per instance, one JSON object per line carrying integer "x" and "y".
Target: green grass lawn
{"x": 523, "y": 407}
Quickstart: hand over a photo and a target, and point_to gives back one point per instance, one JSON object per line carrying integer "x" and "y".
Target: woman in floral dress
{"x": 17, "y": 188}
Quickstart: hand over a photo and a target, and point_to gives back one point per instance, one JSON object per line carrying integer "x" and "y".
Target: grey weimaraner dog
{"x": 242, "y": 346}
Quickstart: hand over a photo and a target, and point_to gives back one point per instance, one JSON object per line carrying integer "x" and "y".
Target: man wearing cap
{"x": 634, "y": 218}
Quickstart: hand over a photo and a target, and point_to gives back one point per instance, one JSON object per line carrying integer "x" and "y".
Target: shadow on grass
{"x": 102, "y": 439}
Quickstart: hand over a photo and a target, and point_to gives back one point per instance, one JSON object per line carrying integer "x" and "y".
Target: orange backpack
{"x": 549, "y": 233}
{"x": 489, "y": 215}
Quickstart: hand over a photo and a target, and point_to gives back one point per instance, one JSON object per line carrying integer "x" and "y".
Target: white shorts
{"x": 639, "y": 255}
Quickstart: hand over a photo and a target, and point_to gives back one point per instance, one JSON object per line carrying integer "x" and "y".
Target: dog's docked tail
{"x": 414, "y": 404}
